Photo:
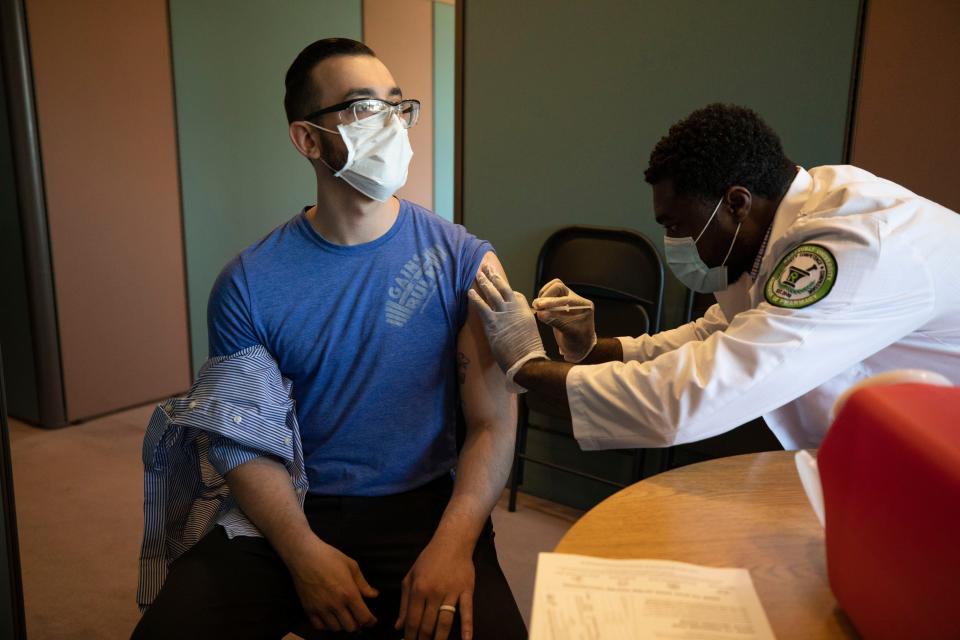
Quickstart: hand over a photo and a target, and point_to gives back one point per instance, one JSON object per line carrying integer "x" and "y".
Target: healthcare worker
{"x": 822, "y": 278}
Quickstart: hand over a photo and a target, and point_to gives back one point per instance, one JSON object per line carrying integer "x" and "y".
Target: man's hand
{"x": 442, "y": 575}
{"x": 573, "y": 328}
{"x": 331, "y": 589}
{"x": 509, "y": 323}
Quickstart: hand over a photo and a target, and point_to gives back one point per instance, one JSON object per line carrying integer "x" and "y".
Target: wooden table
{"x": 745, "y": 511}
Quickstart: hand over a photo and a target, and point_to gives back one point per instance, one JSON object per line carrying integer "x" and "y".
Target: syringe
{"x": 566, "y": 307}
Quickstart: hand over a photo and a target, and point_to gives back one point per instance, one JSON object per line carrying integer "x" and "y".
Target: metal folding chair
{"x": 621, "y": 272}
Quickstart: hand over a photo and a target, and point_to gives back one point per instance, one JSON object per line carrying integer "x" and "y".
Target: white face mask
{"x": 689, "y": 267}
{"x": 377, "y": 156}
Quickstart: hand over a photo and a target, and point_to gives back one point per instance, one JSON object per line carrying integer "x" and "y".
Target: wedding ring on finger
{"x": 448, "y": 607}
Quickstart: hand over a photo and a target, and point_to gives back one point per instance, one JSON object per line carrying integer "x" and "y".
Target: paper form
{"x": 586, "y": 598}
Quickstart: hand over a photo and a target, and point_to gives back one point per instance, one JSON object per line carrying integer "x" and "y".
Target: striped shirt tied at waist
{"x": 239, "y": 408}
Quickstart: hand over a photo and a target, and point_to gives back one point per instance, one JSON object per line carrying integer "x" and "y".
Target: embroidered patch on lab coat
{"x": 804, "y": 276}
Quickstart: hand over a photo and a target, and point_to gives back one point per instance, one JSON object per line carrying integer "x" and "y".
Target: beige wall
{"x": 105, "y": 111}
{"x": 906, "y": 126}
{"x": 401, "y": 33}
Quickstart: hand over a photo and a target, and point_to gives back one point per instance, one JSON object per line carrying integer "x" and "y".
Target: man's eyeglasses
{"x": 372, "y": 112}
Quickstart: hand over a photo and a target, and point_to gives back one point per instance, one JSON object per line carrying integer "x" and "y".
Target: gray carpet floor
{"x": 79, "y": 498}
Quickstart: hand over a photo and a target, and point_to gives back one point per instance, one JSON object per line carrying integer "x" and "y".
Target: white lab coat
{"x": 895, "y": 304}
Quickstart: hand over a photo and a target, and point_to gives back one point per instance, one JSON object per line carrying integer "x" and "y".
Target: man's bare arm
{"x": 263, "y": 489}
{"x": 491, "y": 417}
{"x": 444, "y": 572}
{"x": 330, "y": 585}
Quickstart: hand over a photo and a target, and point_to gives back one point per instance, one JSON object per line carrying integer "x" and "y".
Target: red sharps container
{"x": 890, "y": 469}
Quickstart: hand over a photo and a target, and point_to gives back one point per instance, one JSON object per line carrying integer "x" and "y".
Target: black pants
{"x": 240, "y": 588}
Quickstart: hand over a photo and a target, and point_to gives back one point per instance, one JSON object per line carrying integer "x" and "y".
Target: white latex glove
{"x": 574, "y": 330}
{"x": 509, "y": 323}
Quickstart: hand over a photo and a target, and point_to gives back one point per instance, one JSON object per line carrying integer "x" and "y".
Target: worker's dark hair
{"x": 302, "y": 93}
{"x": 717, "y": 147}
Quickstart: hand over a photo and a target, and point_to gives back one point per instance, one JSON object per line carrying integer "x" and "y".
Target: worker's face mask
{"x": 377, "y": 156}
{"x": 689, "y": 267}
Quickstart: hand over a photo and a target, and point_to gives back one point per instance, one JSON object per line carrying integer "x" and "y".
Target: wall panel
{"x": 444, "y": 70}
{"x": 241, "y": 175}
{"x": 564, "y": 100}
{"x": 906, "y": 126}
{"x": 105, "y": 112}
{"x": 401, "y": 34}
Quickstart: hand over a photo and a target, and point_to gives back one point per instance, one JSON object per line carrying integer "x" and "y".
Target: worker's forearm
{"x": 606, "y": 350}
{"x": 546, "y": 379}
{"x": 482, "y": 473}
{"x": 263, "y": 489}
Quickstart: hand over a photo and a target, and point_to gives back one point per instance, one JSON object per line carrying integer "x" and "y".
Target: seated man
{"x": 361, "y": 301}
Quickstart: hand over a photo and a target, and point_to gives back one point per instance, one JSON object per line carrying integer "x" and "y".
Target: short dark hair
{"x": 717, "y": 147}
{"x": 302, "y": 93}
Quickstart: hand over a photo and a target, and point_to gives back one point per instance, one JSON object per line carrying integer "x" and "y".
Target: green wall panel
{"x": 15, "y": 331}
{"x": 444, "y": 70}
{"x": 564, "y": 100}
{"x": 240, "y": 176}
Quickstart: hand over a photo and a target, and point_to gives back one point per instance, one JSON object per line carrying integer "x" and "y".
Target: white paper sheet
{"x": 586, "y": 598}
{"x": 810, "y": 479}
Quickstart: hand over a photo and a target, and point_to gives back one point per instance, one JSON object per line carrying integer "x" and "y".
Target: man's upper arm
{"x": 230, "y": 326}
{"x": 483, "y": 388}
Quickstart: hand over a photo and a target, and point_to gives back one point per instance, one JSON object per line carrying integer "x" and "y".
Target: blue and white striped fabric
{"x": 239, "y": 408}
